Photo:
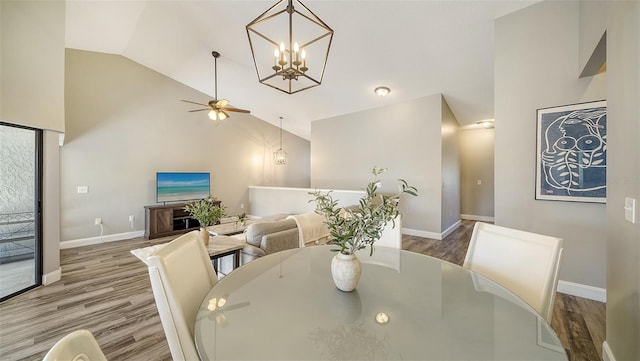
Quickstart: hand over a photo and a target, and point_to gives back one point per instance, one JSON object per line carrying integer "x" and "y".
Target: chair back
{"x": 525, "y": 263}
{"x": 181, "y": 274}
{"x": 79, "y": 345}
{"x": 391, "y": 235}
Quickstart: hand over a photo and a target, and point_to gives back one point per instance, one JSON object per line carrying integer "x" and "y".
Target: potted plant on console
{"x": 207, "y": 212}
{"x": 356, "y": 227}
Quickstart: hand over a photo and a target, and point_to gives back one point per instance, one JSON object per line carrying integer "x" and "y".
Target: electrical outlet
{"x": 132, "y": 218}
{"x": 98, "y": 221}
{"x": 241, "y": 205}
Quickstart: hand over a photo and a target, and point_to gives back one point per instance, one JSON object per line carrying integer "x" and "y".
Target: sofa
{"x": 281, "y": 232}
{"x": 266, "y": 237}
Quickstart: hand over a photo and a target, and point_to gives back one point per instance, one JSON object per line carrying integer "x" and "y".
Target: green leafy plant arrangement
{"x": 356, "y": 227}
{"x": 242, "y": 218}
{"x": 206, "y": 211}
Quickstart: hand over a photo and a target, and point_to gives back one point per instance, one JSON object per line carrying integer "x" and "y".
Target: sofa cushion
{"x": 255, "y": 231}
{"x": 279, "y": 241}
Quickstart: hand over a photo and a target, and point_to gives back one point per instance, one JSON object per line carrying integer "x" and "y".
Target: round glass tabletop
{"x": 407, "y": 306}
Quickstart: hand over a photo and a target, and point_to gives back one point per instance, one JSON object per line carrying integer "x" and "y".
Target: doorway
{"x": 20, "y": 209}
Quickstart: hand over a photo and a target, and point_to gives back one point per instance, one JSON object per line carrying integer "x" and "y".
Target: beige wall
{"x": 51, "y": 201}
{"x": 404, "y": 137}
{"x": 32, "y": 63}
{"x": 476, "y": 159}
{"x": 623, "y": 176}
{"x": 32, "y": 94}
{"x": 450, "y": 163}
{"x": 125, "y": 122}
{"x": 536, "y": 62}
{"x": 592, "y": 24}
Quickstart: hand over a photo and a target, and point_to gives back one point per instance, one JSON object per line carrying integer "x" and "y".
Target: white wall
{"x": 266, "y": 201}
{"x": 536, "y": 66}
{"x": 125, "y": 122}
{"x": 404, "y": 137}
{"x": 476, "y": 158}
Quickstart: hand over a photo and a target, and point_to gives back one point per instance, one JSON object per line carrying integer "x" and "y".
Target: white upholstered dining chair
{"x": 79, "y": 345}
{"x": 525, "y": 263}
{"x": 181, "y": 275}
{"x": 391, "y": 234}
{"x": 391, "y": 238}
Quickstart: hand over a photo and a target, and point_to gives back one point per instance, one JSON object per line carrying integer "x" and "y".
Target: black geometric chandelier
{"x": 290, "y": 46}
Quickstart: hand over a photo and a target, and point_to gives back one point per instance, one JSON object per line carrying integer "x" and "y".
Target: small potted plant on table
{"x": 207, "y": 212}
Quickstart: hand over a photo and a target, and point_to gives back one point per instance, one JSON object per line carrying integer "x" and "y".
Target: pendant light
{"x": 280, "y": 155}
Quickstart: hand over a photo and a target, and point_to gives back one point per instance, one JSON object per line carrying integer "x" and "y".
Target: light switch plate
{"x": 630, "y": 210}
{"x": 83, "y": 189}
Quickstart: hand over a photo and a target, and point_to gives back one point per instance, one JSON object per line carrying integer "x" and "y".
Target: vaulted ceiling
{"x": 416, "y": 48}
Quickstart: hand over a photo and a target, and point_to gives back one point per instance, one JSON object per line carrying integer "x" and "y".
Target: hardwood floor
{"x": 106, "y": 290}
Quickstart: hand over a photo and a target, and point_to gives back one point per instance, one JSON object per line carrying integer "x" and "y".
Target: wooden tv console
{"x": 163, "y": 220}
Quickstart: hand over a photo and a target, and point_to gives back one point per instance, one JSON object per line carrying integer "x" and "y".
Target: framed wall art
{"x": 571, "y": 153}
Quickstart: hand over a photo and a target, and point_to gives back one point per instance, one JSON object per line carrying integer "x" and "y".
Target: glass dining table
{"x": 407, "y": 306}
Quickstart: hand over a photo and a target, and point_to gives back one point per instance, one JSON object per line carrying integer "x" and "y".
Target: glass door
{"x": 20, "y": 190}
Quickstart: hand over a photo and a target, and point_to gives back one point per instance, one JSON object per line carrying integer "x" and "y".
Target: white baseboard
{"x": 584, "y": 291}
{"x": 449, "y": 230}
{"x": 97, "y": 240}
{"x": 432, "y": 235}
{"x": 607, "y": 355}
{"x": 473, "y": 217}
{"x": 49, "y": 278}
{"x": 419, "y": 233}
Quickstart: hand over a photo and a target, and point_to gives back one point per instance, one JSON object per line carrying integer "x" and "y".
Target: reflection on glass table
{"x": 285, "y": 306}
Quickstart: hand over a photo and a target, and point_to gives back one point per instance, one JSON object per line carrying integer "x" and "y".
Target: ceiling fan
{"x": 217, "y": 108}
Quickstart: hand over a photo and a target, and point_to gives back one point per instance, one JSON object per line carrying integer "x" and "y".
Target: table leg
{"x": 236, "y": 259}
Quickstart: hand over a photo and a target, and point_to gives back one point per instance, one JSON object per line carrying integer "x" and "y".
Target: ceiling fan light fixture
{"x": 216, "y": 108}
{"x": 382, "y": 91}
{"x": 290, "y": 46}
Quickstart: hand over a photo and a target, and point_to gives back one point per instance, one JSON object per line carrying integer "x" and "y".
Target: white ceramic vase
{"x": 346, "y": 270}
{"x": 204, "y": 236}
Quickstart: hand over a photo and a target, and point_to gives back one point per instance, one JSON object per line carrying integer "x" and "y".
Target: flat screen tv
{"x": 182, "y": 186}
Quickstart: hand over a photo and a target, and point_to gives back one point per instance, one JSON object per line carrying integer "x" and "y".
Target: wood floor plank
{"x": 106, "y": 290}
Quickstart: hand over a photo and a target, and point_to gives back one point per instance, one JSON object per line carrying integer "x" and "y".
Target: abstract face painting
{"x": 572, "y": 153}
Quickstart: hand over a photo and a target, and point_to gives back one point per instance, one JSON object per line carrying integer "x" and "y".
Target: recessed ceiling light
{"x": 382, "y": 91}
{"x": 486, "y": 124}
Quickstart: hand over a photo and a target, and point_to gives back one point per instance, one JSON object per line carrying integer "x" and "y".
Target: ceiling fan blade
{"x": 222, "y": 103}
{"x": 189, "y": 101}
{"x": 231, "y": 109}
{"x": 197, "y": 110}
{"x": 225, "y": 113}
